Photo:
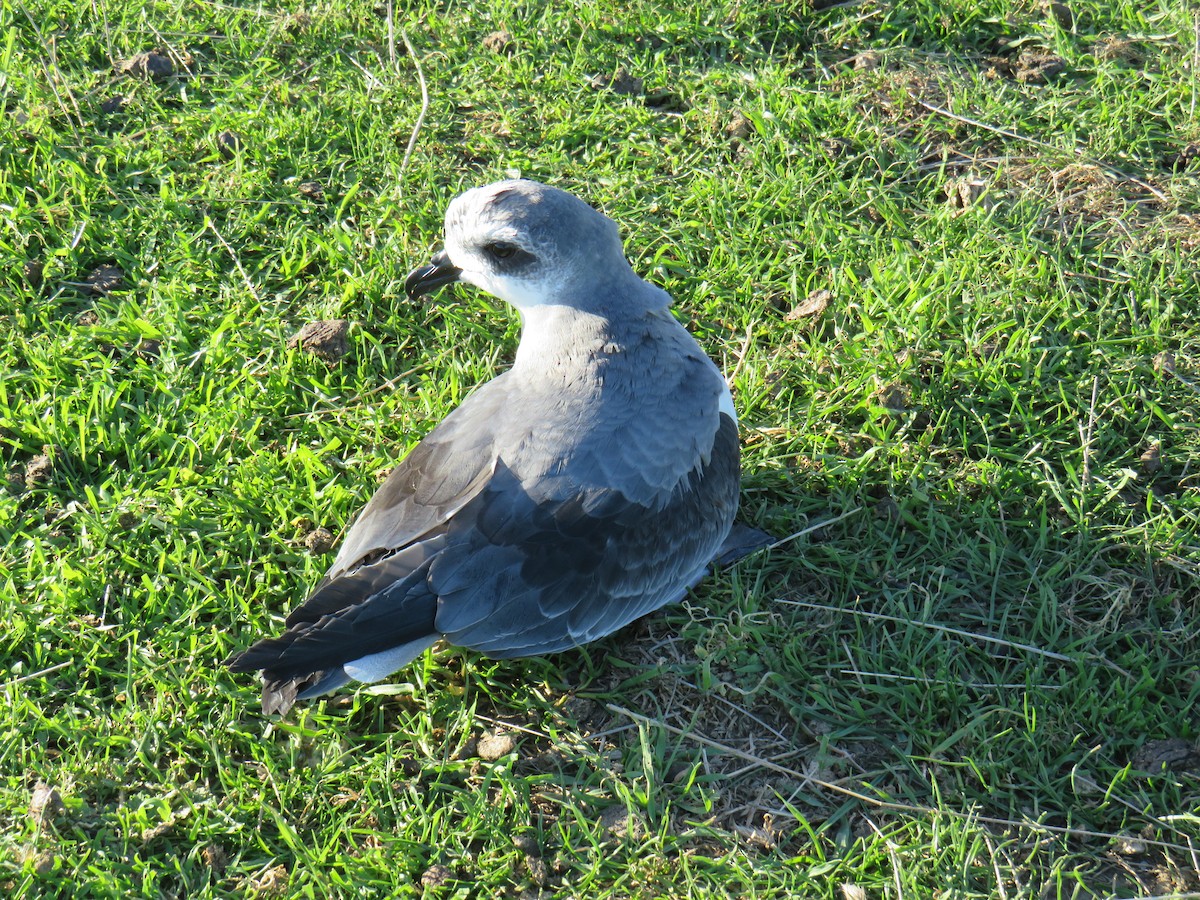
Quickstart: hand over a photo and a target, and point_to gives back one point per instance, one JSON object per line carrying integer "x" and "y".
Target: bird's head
{"x": 528, "y": 244}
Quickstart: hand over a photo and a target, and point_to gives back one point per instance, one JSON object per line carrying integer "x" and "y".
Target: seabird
{"x": 593, "y": 482}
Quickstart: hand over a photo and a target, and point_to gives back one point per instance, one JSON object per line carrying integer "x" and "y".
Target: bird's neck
{"x": 553, "y": 335}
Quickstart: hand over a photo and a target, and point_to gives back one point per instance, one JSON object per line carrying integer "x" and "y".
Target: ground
{"x": 946, "y": 254}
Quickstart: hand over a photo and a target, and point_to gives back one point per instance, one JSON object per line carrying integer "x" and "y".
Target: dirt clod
{"x": 318, "y": 541}
{"x": 32, "y": 270}
{"x": 498, "y": 42}
{"x": 1167, "y": 754}
{"x": 664, "y": 100}
{"x": 1183, "y": 159}
{"x": 313, "y": 189}
{"x": 620, "y": 82}
{"x": 539, "y": 872}
{"x": 739, "y": 127}
{"x": 38, "y": 471}
{"x": 325, "y": 339}
{"x": 527, "y": 844}
{"x": 214, "y": 857}
{"x": 147, "y": 350}
{"x": 966, "y": 193}
{"x": 867, "y": 60}
{"x": 104, "y": 279}
{"x": 813, "y": 305}
{"x": 621, "y": 822}
{"x": 1061, "y": 13}
{"x": 152, "y": 64}
{"x": 1151, "y": 459}
{"x": 495, "y": 744}
{"x": 436, "y": 875}
{"x": 272, "y": 882}
{"x": 44, "y": 804}
{"x": 1037, "y": 66}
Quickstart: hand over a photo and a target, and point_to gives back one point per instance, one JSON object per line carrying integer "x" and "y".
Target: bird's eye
{"x": 500, "y": 249}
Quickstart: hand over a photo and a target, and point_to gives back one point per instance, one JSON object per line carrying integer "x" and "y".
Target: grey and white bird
{"x": 591, "y": 483}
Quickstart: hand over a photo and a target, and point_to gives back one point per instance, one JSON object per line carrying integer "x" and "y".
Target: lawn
{"x": 945, "y": 251}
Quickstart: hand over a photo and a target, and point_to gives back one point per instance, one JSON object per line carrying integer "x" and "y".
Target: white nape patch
{"x": 381, "y": 665}
{"x": 726, "y": 404}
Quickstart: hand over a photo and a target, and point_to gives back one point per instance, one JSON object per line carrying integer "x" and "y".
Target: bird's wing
{"x": 397, "y": 530}
{"x": 522, "y": 575}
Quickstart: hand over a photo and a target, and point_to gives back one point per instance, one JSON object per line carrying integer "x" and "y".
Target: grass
{"x": 967, "y": 685}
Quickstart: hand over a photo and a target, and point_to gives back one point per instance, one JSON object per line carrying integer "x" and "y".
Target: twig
{"x": 33, "y": 675}
{"x": 208, "y": 223}
{"x": 1078, "y": 151}
{"x": 391, "y": 27}
{"x": 1029, "y": 648}
{"x": 412, "y": 141}
{"x": 811, "y": 528}
{"x": 876, "y": 801}
{"x": 1086, "y": 435}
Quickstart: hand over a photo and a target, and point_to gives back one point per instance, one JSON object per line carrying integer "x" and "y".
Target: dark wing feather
{"x": 399, "y": 613}
{"x": 522, "y": 576}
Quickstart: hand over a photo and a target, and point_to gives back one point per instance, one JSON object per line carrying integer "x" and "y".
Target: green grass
{"x": 953, "y": 690}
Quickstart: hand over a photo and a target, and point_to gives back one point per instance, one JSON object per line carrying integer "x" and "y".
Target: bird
{"x": 593, "y": 482}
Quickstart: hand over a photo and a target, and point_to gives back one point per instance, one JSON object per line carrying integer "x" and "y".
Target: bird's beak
{"x": 431, "y": 277}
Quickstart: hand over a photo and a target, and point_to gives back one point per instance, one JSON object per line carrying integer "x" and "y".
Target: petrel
{"x": 593, "y": 482}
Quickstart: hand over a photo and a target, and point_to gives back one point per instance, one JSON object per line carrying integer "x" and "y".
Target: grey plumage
{"x": 590, "y": 484}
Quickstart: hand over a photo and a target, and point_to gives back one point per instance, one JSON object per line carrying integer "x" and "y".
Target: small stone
{"x": 230, "y": 144}
{"x": 493, "y": 745}
{"x": 318, "y": 541}
{"x": 104, "y": 279}
{"x": 1164, "y": 362}
{"x": 813, "y": 305}
{"x": 44, "y": 804}
{"x": 620, "y": 82}
{"x": 498, "y": 42}
{"x": 325, "y": 339}
{"x": 151, "y": 64}
{"x": 38, "y": 470}
{"x": 436, "y": 875}
{"x": 313, "y": 189}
